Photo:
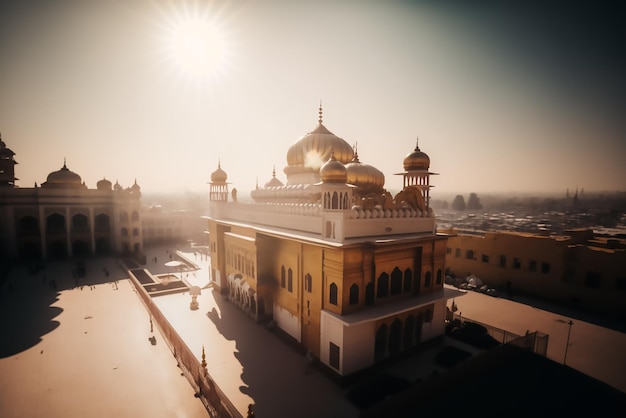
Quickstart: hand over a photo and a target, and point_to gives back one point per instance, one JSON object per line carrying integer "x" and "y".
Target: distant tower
{"x": 7, "y": 166}
{"x": 218, "y": 191}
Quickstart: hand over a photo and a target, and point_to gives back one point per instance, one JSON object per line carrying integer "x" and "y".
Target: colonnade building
{"x": 64, "y": 218}
{"x": 332, "y": 258}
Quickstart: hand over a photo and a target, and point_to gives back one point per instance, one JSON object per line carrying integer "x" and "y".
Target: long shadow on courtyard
{"x": 27, "y": 295}
{"x": 274, "y": 373}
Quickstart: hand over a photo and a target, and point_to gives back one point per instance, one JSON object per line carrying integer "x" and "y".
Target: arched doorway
{"x": 380, "y": 345}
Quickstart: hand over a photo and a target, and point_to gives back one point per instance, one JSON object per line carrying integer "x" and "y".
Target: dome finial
{"x": 274, "y": 172}
{"x": 320, "y": 113}
{"x": 417, "y": 143}
{"x": 64, "y": 163}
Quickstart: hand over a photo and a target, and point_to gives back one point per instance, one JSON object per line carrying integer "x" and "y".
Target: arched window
{"x": 345, "y": 201}
{"x": 28, "y": 225}
{"x": 427, "y": 279}
{"x": 395, "y": 336}
{"x": 308, "y": 283}
{"x": 439, "y": 276}
{"x": 408, "y": 279}
{"x": 396, "y": 281}
{"x": 101, "y": 223}
{"x": 80, "y": 222}
{"x": 409, "y": 326}
{"x": 55, "y": 223}
{"x": 428, "y": 317}
{"x": 282, "y": 276}
{"x": 290, "y": 280}
{"x": 354, "y": 294}
{"x": 335, "y": 202}
{"x": 333, "y": 294}
{"x": 369, "y": 293}
{"x": 382, "y": 289}
{"x": 380, "y": 344}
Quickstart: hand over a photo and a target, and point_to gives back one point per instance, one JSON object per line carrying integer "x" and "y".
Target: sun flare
{"x": 196, "y": 45}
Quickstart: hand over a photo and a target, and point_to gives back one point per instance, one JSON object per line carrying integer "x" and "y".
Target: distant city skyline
{"x": 503, "y": 99}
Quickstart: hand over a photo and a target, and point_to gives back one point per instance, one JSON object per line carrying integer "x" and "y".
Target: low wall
{"x": 216, "y": 403}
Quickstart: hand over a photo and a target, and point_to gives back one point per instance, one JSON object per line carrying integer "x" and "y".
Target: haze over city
{"x": 513, "y": 98}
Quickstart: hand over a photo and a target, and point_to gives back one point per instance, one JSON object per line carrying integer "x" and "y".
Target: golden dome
{"x": 314, "y": 148}
{"x": 367, "y": 178}
{"x": 104, "y": 184}
{"x": 417, "y": 160}
{"x": 333, "y": 171}
{"x": 63, "y": 178}
{"x": 219, "y": 175}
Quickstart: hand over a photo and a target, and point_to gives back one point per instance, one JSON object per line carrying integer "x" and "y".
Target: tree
{"x": 458, "y": 203}
{"x": 473, "y": 203}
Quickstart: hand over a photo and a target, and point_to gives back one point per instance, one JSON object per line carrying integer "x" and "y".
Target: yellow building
{"x": 64, "y": 218}
{"x": 335, "y": 261}
{"x": 576, "y": 269}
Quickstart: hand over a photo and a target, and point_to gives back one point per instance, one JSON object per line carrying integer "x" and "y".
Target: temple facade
{"x": 62, "y": 217}
{"x": 348, "y": 270}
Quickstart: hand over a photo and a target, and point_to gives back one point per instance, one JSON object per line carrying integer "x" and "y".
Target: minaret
{"x": 218, "y": 189}
{"x": 416, "y": 173}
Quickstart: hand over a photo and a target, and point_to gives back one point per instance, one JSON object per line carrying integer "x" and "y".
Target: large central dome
{"x": 311, "y": 151}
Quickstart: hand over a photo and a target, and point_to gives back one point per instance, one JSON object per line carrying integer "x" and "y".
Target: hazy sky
{"x": 502, "y": 97}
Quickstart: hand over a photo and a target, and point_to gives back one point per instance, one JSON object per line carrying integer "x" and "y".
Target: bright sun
{"x": 196, "y": 45}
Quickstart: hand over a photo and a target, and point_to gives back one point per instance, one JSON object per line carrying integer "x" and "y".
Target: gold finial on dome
{"x": 320, "y": 113}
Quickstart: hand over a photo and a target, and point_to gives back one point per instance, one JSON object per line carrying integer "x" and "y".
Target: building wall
{"x": 559, "y": 269}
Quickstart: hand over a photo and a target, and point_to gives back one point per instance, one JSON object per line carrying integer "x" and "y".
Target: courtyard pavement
{"x": 85, "y": 350}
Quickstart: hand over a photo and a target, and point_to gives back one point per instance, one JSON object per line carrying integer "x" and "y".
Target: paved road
{"x": 68, "y": 352}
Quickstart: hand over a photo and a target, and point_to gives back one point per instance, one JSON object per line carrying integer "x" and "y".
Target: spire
{"x": 417, "y": 143}
{"x": 274, "y": 172}
{"x": 64, "y": 163}
{"x": 356, "y": 153}
{"x": 320, "y": 113}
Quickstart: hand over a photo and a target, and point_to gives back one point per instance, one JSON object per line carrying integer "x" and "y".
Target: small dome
{"x": 63, "y": 178}
{"x": 274, "y": 182}
{"x": 135, "y": 187}
{"x": 417, "y": 160}
{"x": 333, "y": 171}
{"x": 367, "y": 178}
{"x": 219, "y": 175}
{"x": 104, "y": 184}
{"x": 117, "y": 186}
